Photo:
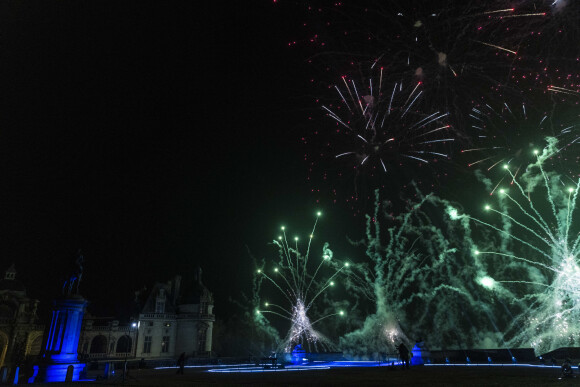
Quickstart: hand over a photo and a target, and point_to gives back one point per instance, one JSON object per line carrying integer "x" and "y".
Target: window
{"x": 124, "y": 344}
{"x": 99, "y": 344}
{"x": 160, "y": 306}
{"x": 201, "y": 338}
{"x": 147, "y": 344}
{"x": 36, "y": 346}
{"x": 165, "y": 344}
{"x": 160, "y": 302}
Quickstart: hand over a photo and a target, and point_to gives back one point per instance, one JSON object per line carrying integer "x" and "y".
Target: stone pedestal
{"x": 59, "y": 360}
{"x": 299, "y": 355}
{"x": 420, "y": 354}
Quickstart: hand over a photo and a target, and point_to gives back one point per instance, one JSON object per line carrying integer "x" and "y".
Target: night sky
{"x": 154, "y": 136}
{"x": 158, "y": 137}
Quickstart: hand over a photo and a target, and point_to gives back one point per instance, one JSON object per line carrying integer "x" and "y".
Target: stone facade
{"x": 174, "y": 317}
{"x": 20, "y": 332}
{"x": 104, "y": 338}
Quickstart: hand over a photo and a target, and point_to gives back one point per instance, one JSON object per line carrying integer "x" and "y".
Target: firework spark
{"x": 540, "y": 254}
{"x": 418, "y": 275}
{"x": 300, "y": 288}
{"x": 379, "y": 129}
{"x": 458, "y": 50}
{"x": 511, "y": 135}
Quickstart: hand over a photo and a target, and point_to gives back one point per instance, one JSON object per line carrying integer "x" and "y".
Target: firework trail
{"x": 536, "y": 268}
{"x": 457, "y": 49}
{"x": 547, "y": 60}
{"x": 420, "y": 278}
{"x": 457, "y": 52}
{"x": 379, "y": 133}
{"x": 554, "y": 34}
{"x": 296, "y": 281}
{"x": 481, "y": 283}
{"x": 510, "y": 134}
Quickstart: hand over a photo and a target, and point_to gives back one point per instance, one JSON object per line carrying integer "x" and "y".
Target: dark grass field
{"x": 373, "y": 376}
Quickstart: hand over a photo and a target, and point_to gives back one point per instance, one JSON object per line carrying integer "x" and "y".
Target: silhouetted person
{"x": 404, "y": 354}
{"x": 567, "y": 369}
{"x": 273, "y": 358}
{"x": 181, "y": 363}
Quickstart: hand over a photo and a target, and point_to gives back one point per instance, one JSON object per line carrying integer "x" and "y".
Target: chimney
{"x": 197, "y": 275}
{"x": 176, "y": 288}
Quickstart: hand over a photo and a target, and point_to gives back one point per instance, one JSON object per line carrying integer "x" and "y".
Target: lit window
{"x": 147, "y": 344}
{"x": 165, "y": 344}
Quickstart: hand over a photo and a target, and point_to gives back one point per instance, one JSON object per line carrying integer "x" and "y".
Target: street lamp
{"x": 131, "y": 329}
{"x": 135, "y": 328}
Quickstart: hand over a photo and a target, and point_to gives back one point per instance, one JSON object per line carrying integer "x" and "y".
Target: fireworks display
{"x": 536, "y": 268}
{"x": 380, "y": 134}
{"x": 298, "y": 281}
{"x": 511, "y": 135}
{"x": 486, "y": 94}
{"x": 458, "y": 52}
{"x": 416, "y": 275}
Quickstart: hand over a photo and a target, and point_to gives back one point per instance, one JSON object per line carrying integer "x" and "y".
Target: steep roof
{"x": 157, "y": 291}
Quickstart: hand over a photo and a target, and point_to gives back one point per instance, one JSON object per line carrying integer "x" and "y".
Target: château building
{"x": 20, "y": 331}
{"x": 173, "y": 317}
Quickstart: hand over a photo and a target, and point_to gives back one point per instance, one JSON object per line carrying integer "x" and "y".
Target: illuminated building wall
{"x": 173, "y": 317}
{"x": 176, "y": 317}
{"x": 20, "y": 331}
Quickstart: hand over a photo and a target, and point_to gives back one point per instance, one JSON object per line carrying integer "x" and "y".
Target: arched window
{"x": 35, "y": 346}
{"x": 3, "y": 347}
{"x": 99, "y": 344}
{"x": 124, "y": 344}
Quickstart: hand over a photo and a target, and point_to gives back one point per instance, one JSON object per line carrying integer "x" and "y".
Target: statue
{"x": 59, "y": 361}
{"x": 71, "y": 285}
